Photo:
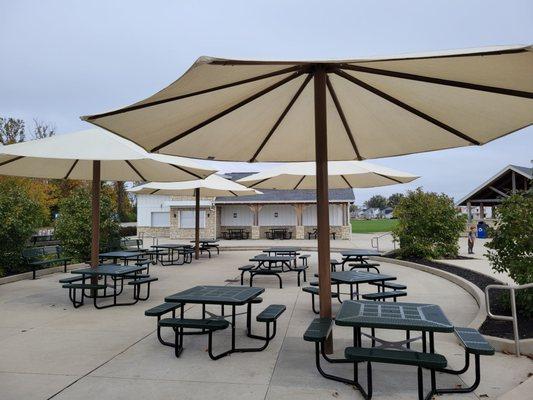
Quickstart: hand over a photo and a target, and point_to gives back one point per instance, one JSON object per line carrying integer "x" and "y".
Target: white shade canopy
{"x": 245, "y": 110}
{"x": 341, "y": 174}
{"x": 71, "y": 156}
{"x": 212, "y": 186}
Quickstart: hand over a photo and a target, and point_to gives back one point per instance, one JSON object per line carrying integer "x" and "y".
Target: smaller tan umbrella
{"x": 212, "y": 186}
{"x": 341, "y": 174}
{"x": 96, "y": 155}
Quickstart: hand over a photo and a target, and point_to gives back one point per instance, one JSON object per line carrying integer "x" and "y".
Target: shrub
{"x": 20, "y": 215}
{"x": 74, "y": 227}
{"x": 511, "y": 248}
{"x": 429, "y": 226}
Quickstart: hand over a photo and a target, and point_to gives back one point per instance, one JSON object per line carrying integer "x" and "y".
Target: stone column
{"x": 299, "y": 228}
{"x": 255, "y": 232}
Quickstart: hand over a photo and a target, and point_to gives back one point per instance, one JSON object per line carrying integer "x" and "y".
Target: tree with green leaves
{"x": 394, "y": 199}
{"x": 511, "y": 247}
{"x": 20, "y": 215}
{"x": 73, "y": 225}
{"x": 376, "y": 201}
{"x": 429, "y": 225}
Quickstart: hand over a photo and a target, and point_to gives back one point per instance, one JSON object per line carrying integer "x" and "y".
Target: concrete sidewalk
{"x": 50, "y": 350}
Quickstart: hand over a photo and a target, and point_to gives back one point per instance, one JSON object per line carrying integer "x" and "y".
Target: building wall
{"x": 176, "y": 232}
{"x": 236, "y": 215}
{"x": 336, "y": 217}
{"x": 272, "y": 215}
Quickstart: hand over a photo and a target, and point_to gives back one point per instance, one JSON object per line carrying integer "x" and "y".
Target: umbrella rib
{"x": 388, "y": 177}
{"x": 10, "y": 161}
{"x": 343, "y": 117}
{"x": 440, "y": 81}
{"x": 186, "y": 171}
{"x": 257, "y": 183}
{"x": 405, "y": 106}
{"x": 192, "y": 94}
{"x": 281, "y": 117}
{"x": 135, "y": 169}
{"x": 233, "y": 193}
{"x": 71, "y": 168}
{"x": 298, "y": 184}
{"x": 155, "y": 191}
{"x": 230, "y": 109}
{"x": 346, "y": 180}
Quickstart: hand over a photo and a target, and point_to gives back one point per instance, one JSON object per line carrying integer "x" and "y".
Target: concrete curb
{"x": 39, "y": 273}
{"x": 500, "y": 344}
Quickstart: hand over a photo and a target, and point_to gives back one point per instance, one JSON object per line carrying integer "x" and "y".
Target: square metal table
{"x": 231, "y": 296}
{"x": 123, "y": 255}
{"x": 357, "y": 255}
{"x": 265, "y": 261}
{"x": 117, "y": 273}
{"x": 172, "y": 249}
{"x": 398, "y": 316}
{"x": 355, "y": 278}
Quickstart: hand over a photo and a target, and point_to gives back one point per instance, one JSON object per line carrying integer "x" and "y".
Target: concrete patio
{"x": 50, "y": 350}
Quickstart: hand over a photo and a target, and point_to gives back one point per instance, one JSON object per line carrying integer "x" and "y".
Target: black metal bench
{"x": 393, "y": 294}
{"x": 270, "y": 272}
{"x": 269, "y": 316}
{"x": 74, "y": 287}
{"x": 473, "y": 343}
{"x": 159, "y": 311}
{"x": 314, "y": 234}
{"x": 314, "y": 292}
{"x": 333, "y": 263}
{"x": 299, "y": 271}
{"x": 72, "y": 279}
{"x": 430, "y": 361}
{"x": 205, "y": 325}
{"x": 305, "y": 259}
{"x": 137, "y": 283}
{"x": 390, "y": 285}
{"x": 245, "y": 268}
{"x": 37, "y": 257}
{"x": 366, "y": 266}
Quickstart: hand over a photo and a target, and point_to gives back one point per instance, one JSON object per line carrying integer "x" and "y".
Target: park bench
{"x": 159, "y": 311}
{"x": 334, "y": 262}
{"x": 71, "y": 279}
{"x": 393, "y": 294}
{"x": 137, "y": 284}
{"x": 272, "y": 272}
{"x": 208, "y": 325}
{"x": 305, "y": 259}
{"x": 430, "y": 361}
{"x": 245, "y": 268}
{"x": 132, "y": 244}
{"x": 313, "y": 289}
{"x": 268, "y": 316}
{"x": 366, "y": 266}
{"x": 390, "y": 285}
{"x": 473, "y": 343}
{"x": 74, "y": 287}
{"x": 37, "y": 257}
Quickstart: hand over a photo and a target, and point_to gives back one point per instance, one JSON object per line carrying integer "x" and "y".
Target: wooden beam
{"x": 498, "y": 191}
{"x": 95, "y": 244}
{"x": 197, "y": 224}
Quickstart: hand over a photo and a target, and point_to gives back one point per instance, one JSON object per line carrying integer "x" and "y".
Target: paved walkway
{"x": 50, "y": 350}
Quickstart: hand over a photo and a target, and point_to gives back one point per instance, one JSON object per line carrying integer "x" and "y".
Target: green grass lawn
{"x": 373, "y": 225}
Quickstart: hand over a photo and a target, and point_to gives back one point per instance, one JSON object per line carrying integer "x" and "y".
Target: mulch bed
{"x": 499, "y": 301}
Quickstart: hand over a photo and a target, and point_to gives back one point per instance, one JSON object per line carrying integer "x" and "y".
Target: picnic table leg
{"x": 432, "y": 350}
{"x": 424, "y": 345}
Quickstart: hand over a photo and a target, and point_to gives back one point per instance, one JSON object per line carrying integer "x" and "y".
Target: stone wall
{"x": 188, "y": 233}
{"x": 341, "y": 232}
{"x": 151, "y": 231}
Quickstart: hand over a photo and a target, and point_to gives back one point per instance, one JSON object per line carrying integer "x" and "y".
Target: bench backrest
{"x": 32, "y": 253}
{"x": 131, "y": 243}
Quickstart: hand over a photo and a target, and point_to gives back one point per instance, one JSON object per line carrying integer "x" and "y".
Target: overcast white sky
{"x": 63, "y": 59}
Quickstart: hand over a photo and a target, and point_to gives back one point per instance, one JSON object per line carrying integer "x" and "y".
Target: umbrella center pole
{"x": 197, "y": 224}
{"x": 95, "y": 246}
{"x": 321, "y": 155}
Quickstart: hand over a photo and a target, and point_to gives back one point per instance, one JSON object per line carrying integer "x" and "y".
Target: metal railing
{"x": 513, "y": 317}
{"x": 374, "y": 242}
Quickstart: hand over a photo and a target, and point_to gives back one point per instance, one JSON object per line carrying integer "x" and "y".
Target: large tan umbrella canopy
{"x": 95, "y": 155}
{"x": 245, "y": 110}
{"x": 212, "y": 186}
{"x": 341, "y": 174}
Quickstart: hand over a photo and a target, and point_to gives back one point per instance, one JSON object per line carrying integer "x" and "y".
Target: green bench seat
{"x": 414, "y": 358}
{"x": 72, "y": 279}
{"x": 271, "y": 313}
{"x": 97, "y": 286}
{"x": 243, "y": 269}
{"x": 314, "y": 292}
{"x": 319, "y": 330}
{"x": 393, "y": 294}
{"x": 207, "y": 324}
{"x": 367, "y": 266}
{"x": 473, "y": 341}
{"x": 391, "y": 285}
{"x": 37, "y": 257}
{"x": 162, "y": 309}
{"x": 136, "y": 283}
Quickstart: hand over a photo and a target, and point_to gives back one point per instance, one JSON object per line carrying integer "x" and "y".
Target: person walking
{"x": 471, "y": 239}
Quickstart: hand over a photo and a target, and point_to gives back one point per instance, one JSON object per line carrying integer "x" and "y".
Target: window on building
{"x": 160, "y": 219}
{"x": 187, "y": 218}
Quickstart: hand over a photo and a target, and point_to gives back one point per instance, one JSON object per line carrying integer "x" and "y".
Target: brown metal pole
{"x": 95, "y": 247}
{"x": 197, "y": 224}
{"x": 321, "y": 154}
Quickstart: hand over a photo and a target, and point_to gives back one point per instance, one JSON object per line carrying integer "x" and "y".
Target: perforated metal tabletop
{"x": 226, "y": 295}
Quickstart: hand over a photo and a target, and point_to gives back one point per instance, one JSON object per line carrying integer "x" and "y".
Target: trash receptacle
{"x": 481, "y": 230}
